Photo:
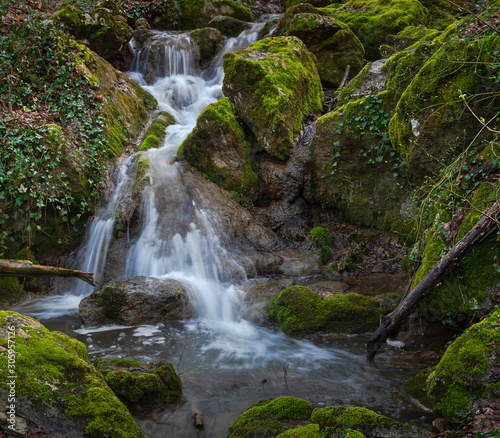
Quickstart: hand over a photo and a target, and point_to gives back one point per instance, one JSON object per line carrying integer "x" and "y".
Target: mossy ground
{"x": 55, "y": 372}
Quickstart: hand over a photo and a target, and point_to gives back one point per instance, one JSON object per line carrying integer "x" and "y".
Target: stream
{"x": 225, "y": 362}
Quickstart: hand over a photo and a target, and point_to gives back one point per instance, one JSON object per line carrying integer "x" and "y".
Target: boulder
{"x": 229, "y": 26}
{"x": 135, "y": 301}
{"x": 217, "y": 147}
{"x": 374, "y": 20}
{"x": 271, "y": 417}
{"x": 331, "y": 41}
{"x": 466, "y": 378}
{"x": 141, "y": 388}
{"x": 197, "y": 13}
{"x": 273, "y": 84}
{"x": 56, "y": 390}
{"x": 154, "y": 135}
{"x": 299, "y": 310}
{"x": 209, "y": 41}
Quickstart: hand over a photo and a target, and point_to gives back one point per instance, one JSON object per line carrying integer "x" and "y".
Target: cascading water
{"x": 226, "y": 362}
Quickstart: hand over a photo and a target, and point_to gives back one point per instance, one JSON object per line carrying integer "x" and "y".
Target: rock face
{"x": 59, "y": 392}
{"x": 299, "y": 310}
{"x": 141, "y": 387}
{"x": 332, "y": 42}
{"x": 104, "y": 30}
{"x": 373, "y": 20}
{"x": 217, "y": 147}
{"x": 466, "y": 378}
{"x": 135, "y": 301}
{"x": 273, "y": 84}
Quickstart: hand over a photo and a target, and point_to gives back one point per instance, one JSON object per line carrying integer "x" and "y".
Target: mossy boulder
{"x": 464, "y": 379}
{"x": 315, "y": 3}
{"x": 464, "y": 293}
{"x": 314, "y": 431}
{"x": 373, "y": 20}
{"x": 332, "y": 42}
{"x": 297, "y": 310}
{"x": 142, "y": 387}
{"x": 198, "y": 13}
{"x": 103, "y": 31}
{"x": 154, "y": 135}
{"x": 134, "y": 301}
{"x": 362, "y": 420}
{"x": 125, "y": 105}
{"x": 415, "y": 387}
{"x": 432, "y": 123}
{"x": 271, "y": 417}
{"x": 217, "y": 147}
{"x": 273, "y": 84}
{"x": 57, "y": 390}
{"x": 209, "y": 41}
{"x": 229, "y": 26}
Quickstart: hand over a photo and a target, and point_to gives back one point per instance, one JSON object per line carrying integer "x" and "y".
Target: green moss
{"x": 234, "y": 9}
{"x": 218, "y": 148}
{"x": 459, "y": 384}
{"x": 299, "y": 310}
{"x": 273, "y": 84}
{"x": 110, "y": 301}
{"x": 416, "y": 387}
{"x": 190, "y": 10}
{"x": 321, "y": 237}
{"x": 154, "y": 135}
{"x": 373, "y": 20}
{"x": 270, "y": 417}
{"x": 353, "y": 417}
{"x": 309, "y": 431}
{"x": 209, "y": 41}
{"x": 10, "y": 287}
{"x": 55, "y": 372}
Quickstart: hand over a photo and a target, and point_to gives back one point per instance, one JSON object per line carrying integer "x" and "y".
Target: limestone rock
{"x": 273, "y": 84}
{"x": 134, "y": 301}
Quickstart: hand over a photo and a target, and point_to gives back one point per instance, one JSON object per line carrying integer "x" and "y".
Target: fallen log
{"x": 25, "y": 268}
{"x": 393, "y": 322}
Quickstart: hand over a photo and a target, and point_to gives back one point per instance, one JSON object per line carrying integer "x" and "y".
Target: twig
{"x": 285, "y": 373}
{"x": 472, "y": 13}
{"x": 479, "y": 120}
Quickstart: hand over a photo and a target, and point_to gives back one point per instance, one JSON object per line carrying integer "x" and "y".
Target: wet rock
{"x": 217, "y": 147}
{"x": 198, "y": 421}
{"x": 154, "y": 135}
{"x": 229, "y": 26}
{"x": 331, "y": 41}
{"x": 135, "y": 301}
{"x": 273, "y": 84}
{"x": 141, "y": 388}
{"x": 209, "y": 41}
{"x": 57, "y": 390}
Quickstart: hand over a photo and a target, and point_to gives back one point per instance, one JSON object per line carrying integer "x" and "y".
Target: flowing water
{"x": 226, "y": 363}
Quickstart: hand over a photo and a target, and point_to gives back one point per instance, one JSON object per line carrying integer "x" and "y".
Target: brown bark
{"x": 25, "y": 268}
{"x": 393, "y": 322}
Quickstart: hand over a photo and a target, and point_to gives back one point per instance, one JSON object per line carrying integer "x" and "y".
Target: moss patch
{"x": 154, "y": 135}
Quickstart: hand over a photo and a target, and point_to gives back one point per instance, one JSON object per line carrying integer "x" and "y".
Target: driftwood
{"x": 25, "y": 268}
{"x": 393, "y": 322}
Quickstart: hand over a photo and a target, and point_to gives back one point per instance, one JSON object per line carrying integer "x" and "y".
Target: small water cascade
{"x": 227, "y": 363}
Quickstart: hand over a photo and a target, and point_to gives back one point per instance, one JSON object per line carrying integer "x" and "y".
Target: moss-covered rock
{"x": 270, "y": 417}
{"x": 313, "y": 431}
{"x": 273, "y": 84}
{"x": 217, "y": 147}
{"x": 125, "y": 105}
{"x": 154, "y": 135}
{"x": 299, "y": 310}
{"x": 57, "y": 389}
{"x": 198, "y": 13}
{"x": 209, "y": 42}
{"x": 141, "y": 387}
{"x": 373, "y": 20}
{"x": 362, "y": 420}
{"x": 332, "y": 42}
{"x": 463, "y": 381}
{"x": 229, "y": 26}
{"x": 432, "y": 124}
{"x": 416, "y": 388}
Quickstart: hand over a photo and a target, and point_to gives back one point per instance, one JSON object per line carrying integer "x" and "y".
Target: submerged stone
{"x": 273, "y": 84}
{"x": 57, "y": 390}
{"x": 142, "y": 387}
{"x": 217, "y": 147}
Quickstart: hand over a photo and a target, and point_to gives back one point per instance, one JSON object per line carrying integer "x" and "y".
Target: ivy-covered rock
{"x": 297, "y": 309}
{"x": 273, "y": 84}
{"x": 465, "y": 379}
{"x": 332, "y": 42}
{"x": 432, "y": 123}
{"x": 373, "y": 20}
{"x": 135, "y": 301}
{"x": 229, "y": 26}
{"x": 209, "y": 41}
{"x": 56, "y": 390}
{"x": 103, "y": 31}
{"x": 142, "y": 387}
{"x": 154, "y": 135}
{"x": 217, "y": 147}
{"x": 271, "y": 417}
